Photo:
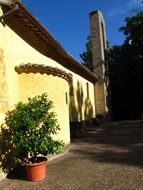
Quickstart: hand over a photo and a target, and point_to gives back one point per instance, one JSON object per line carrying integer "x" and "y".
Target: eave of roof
{"x": 23, "y": 23}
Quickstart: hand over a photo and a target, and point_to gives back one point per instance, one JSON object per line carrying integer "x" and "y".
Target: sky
{"x": 68, "y": 20}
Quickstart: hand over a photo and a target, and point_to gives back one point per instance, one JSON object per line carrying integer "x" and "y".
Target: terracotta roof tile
{"x": 43, "y": 69}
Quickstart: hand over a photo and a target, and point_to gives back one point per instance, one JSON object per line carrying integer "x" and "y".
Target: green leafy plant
{"x": 32, "y": 126}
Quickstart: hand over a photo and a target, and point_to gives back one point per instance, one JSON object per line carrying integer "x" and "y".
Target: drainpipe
{"x": 16, "y": 7}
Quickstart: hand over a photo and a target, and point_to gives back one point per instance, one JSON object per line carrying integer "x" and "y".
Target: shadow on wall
{"x": 81, "y": 110}
{"x": 7, "y": 150}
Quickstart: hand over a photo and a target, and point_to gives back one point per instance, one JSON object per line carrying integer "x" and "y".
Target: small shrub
{"x": 31, "y": 127}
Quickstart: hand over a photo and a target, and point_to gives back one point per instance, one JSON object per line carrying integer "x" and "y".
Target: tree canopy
{"x": 87, "y": 55}
{"x": 126, "y": 71}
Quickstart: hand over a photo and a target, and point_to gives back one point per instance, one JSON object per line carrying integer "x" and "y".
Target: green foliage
{"x": 126, "y": 71}
{"x": 134, "y": 29}
{"x": 87, "y": 55}
{"x": 31, "y": 126}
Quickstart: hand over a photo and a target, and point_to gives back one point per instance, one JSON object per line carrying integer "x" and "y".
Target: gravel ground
{"x": 106, "y": 157}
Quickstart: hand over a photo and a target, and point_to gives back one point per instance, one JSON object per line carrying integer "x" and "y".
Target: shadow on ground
{"x": 116, "y": 142}
{"x": 18, "y": 173}
{"x": 113, "y": 142}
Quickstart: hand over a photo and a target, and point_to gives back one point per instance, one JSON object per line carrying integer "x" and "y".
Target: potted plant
{"x": 32, "y": 126}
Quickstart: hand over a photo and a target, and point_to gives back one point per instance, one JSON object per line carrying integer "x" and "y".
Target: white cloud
{"x": 131, "y": 5}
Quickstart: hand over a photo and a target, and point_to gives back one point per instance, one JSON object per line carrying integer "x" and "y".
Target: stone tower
{"x": 98, "y": 44}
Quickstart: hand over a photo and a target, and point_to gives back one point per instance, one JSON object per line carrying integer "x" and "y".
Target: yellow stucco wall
{"x": 35, "y": 84}
{"x": 3, "y": 87}
{"x": 17, "y": 51}
{"x": 16, "y": 87}
{"x": 81, "y": 106}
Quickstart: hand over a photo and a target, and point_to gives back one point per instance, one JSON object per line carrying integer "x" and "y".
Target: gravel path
{"x": 107, "y": 157}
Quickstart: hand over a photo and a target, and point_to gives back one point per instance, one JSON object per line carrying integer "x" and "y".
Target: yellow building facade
{"x": 32, "y": 62}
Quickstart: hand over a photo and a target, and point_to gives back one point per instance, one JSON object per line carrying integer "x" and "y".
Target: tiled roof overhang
{"x": 43, "y": 69}
{"x": 34, "y": 33}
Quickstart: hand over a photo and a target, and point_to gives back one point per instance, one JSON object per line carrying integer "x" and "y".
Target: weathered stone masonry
{"x": 98, "y": 42}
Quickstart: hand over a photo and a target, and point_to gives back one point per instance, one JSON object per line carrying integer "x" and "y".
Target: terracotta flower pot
{"x": 36, "y": 171}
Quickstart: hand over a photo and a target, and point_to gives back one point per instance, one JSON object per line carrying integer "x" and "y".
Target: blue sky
{"x": 68, "y": 20}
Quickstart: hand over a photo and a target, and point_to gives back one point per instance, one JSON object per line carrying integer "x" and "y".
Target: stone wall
{"x": 98, "y": 42}
{"x": 100, "y": 98}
